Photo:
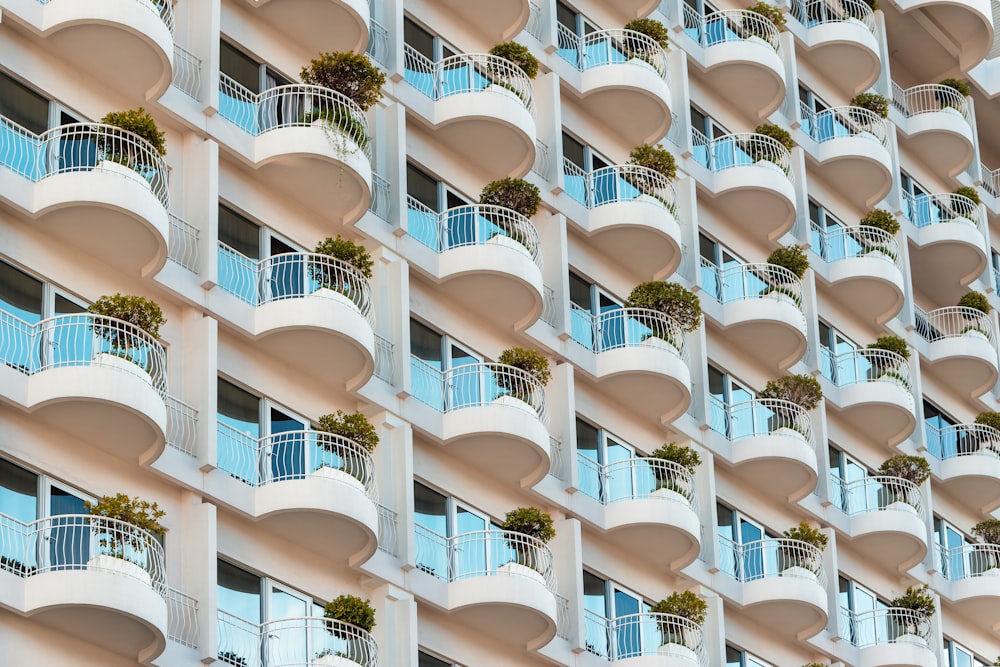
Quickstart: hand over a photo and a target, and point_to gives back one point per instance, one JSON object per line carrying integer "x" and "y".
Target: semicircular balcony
{"x": 311, "y": 641}
{"x": 886, "y": 519}
{"x": 95, "y": 578}
{"x": 646, "y": 501}
{"x": 493, "y": 416}
{"x": 965, "y": 25}
{"x": 631, "y": 216}
{"x": 640, "y": 359}
{"x": 309, "y": 143}
{"x": 890, "y": 636}
{"x": 969, "y": 468}
{"x": 622, "y": 79}
{"x": 961, "y": 348}
{"x": 741, "y": 58}
{"x": 480, "y": 251}
{"x": 500, "y": 21}
{"x": 311, "y": 488}
{"x": 773, "y": 447}
{"x": 875, "y": 392}
{"x": 974, "y": 573}
{"x": 950, "y": 248}
{"x": 783, "y": 580}
{"x": 499, "y": 582}
{"x": 86, "y": 183}
{"x": 761, "y": 310}
{"x": 315, "y": 312}
{"x": 646, "y": 640}
{"x": 852, "y": 151}
{"x": 938, "y": 127}
{"x": 483, "y": 109}
{"x": 318, "y": 25}
{"x": 841, "y": 41}
{"x": 751, "y": 181}
{"x": 863, "y": 269}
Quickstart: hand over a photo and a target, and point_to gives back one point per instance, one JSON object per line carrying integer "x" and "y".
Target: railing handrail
{"x": 766, "y": 416}
{"x": 789, "y": 551}
{"x": 743, "y": 25}
{"x": 880, "y": 492}
{"x": 952, "y": 322}
{"x": 973, "y": 560}
{"x": 884, "y": 626}
{"x": 651, "y": 185}
{"x": 951, "y": 207}
{"x": 754, "y": 149}
{"x": 833, "y": 12}
{"x": 666, "y": 474}
{"x": 654, "y": 325}
{"x": 634, "y": 45}
{"x": 493, "y": 70}
{"x": 982, "y": 435}
{"x": 928, "y": 98}
{"x": 865, "y": 239}
{"x": 856, "y": 121}
{"x": 638, "y": 628}
{"x": 878, "y": 364}
{"x": 757, "y": 281}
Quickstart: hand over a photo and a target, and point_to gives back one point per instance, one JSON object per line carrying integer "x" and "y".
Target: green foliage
{"x": 516, "y": 194}
{"x": 770, "y": 12}
{"x": 873, "y": 102}
{"x": 912, "y": 468}
{"x": 957, "y": 84}
{"x": 530, "y": 521}
{"x": 891, "y": 344}
{"x": 139, "y": 513}
{"x": 871, "y": 3}
{"x": 136, "y": 310}
{"x": 800, "y": 389}
{"x": 976, "y": 301}
{"x": 687, "y": 605}
{"x": 791, "y": 257}
{"x": 989, "y": 419}
{"x": 351, "y": 609}
{"x": 671, "y": 299}
{"x": 354, "y": 427}
{"x": 804, "y": 533}
{"x": 882, "y": 219}
{"x": 683, "y": 456}
{"x": 350, "y": 74}
{"x": 137, "y": 121}
{"x": 658, "y": 159}
{"x": 779, "y": 134}
{"x": 342, "y": 120}
{"x": 530, "y": 361}
{"x": 518, "y": 54}
{"x": 347, "y": 251}
{"x": 969, "y": 192}
{"x": 650, "y": 28}
{"x": 917, "y": 599}
{"x": 989, "y": 530}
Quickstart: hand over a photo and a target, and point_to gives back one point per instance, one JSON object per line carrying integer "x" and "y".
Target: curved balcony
{"x": 631, "y": 216}
{"x": 499, "y": 582}
{"x": 647, "y": 501}
{"x": 962, "y": 350}
{"x": 86, "y": 183}
{"x": 761, "y": 310}
{"x": 784, "y": 583}
{"x": 640, "y": 359}
{"x": 309, "y": 143}
{"x": 500, "y": 21}
{"x": 938, "y": 127}
{"x": 887, "y": 519}
{"x": 646, "y": 640}
{"x": 312, "y": 488}
{"x": 741, "y": 57}
{"x": 93, "y": 36}
{"x": 95, "y": 578}
{"x": 314, "y": 312}
{"x": 892, "y": 636}
{"x": 841, "y": 41}
{"x": 951, "y": 246}
{"x": 318, "y": 25}
{"x": 974, "y": 572}
{"x": 852, "y": 151}
{"x": 294, "y": 642}
{"x": 965, "y": 25}
{"x": 482, "y": 250}
{"x": 102, "y": 378}
{"x": 751, "y": 181}
{"x": 970, "y": 463}
{"x": 482, "y": 109}
{"x": 623, "y": 81}
{"x": 493, "y": 416}
{"x": 773, "y": 447}
{"x": 863, "y": 268}
{"x": 875, "y": 392}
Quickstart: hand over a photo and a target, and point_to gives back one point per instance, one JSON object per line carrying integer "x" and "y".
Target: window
{"x": 612, "y": 629}
{"x": 427, "y": 196}
{"x": 243, "y": 77}
{"x": 735, "y": 530}
{"x": 956, "y": 655}
{"x": 715, "y": 259}
{"x": 737, "y": 658}
{"x": 705, "y": 129}
{"x": 437, "y": 517}
{"x": 819, "y": 125}
{"x": 843, "y": 471}
{"x": 428, "y": 660}
{"x": 918, "y": 206}
{"x": 432, "y": 354}
{"x": 580, "y": 161}
{"x": 944, "y": 441}
{"x": 826, "y": 242}
{"x": 422, "y": 49}
{"x": 724, "y": 393}
{"x": 708, "y": 33}
{"x": 955, "y": 561}
{"x": 242, "y": 244}
{"x": 833, "y": 343}
{"x": 593, "y": 319}
{"x": 861, "y": 625}
{"x": 597, "y": 448}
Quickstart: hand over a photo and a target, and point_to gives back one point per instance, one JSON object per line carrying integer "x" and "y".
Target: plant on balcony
{"x": 917, "y": 599}
{"x": 532, "y": 362}
{"x": 331, "y": 277}
{"x": 533, "y": 523}
{"x": 518, "y": 54}
{"x": 989, "y": 418}
{"x": 683, "y": 456}
{"x": 658, "y": 159}
{"x": 651, "y": 28}
{"x": 873, "y": 102}
{"x": 988, "y": 530}
{"x": 958, "y": 85}
{"x": 516, "y": 194}
{"x": 356, "y": 428}
{"x": 793, "y": 556}
{"x": 913, "y": 469}
{"x": 969, "y": 193}
{"x": 801, "y": 389}
{"x": 769, "y": 12}
{"x": 352, "y": 610}
{"x": 138, "y": 311}
{"x": 975, "y": 301}
{"x": 763, "y": 150}
{"x": 891, "y": 343}
{"x": 231, "y": 658}
{"x": 353, "y": 75}
{"x": 791, "y": 257}
{"x": 884, "y": 368}
{"x": 141, "y": 514}
{"x": 672, "y": 299}
{"x": 121, "y": 149}
{"x": 881, "y": 219}
{"x": 687, "y": 605}
{"x": 987, "y": 441}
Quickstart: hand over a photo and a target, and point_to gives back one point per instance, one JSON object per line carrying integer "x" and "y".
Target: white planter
{"x": 788, "y": 433}
{"x": 900, "y": 506}
{"x": 336, "y": 475}
{"x": 767, "y": 164}
{"x": 522, "y": 571}
{"x": 660, "y": 344}
{"x": 119, "y": 565}
{"x": 327, "y": 293}
{"x": 962, "y": 220}
{"x": 953, "y": 111}
{"x": 125, "y": 171}
{"x": 754, "y": 39}
{"x": 113, "y": 361}
{"x": 868, "y": 135}
{"x": 500, "y": 90}
{"x": 976, "y": 333}
{"x": 799, "y": 572}
{"x": 779, "y": 296}
{"x": 511, "y": 402}
{"x": 334, "y": 661}
{"x": 671, "y": 495}
{"x": 992, "y": 572}
{"x": 507, "y": 242}
{"x": 911, "y": 638}
{"x": 857, "y": 22}
{"x": 878, "y": 254}
{"x": 678, "y": 651}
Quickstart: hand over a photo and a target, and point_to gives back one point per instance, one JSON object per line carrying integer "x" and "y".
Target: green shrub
{"x": 780, "y": 134}
{"x": 770, "y": 12}
{"x": 354, "y": 427}
{"x": 682, "y": 456}
{"x": 350, "y": 609}
{"x": 136, "y": 310}
{"x": 516, "y": 194}
{"x": 800, "y": 389}
{"x": 911, "y": 468}
{"x": 651, "y": 28}
{"x": 969, "y": 192}
{"x": 346, "y": 251}
{"x": 989, "y": 418}
{"x": 139, "y": 513}
{"x": 873, "y": 102}
{"x": 804, "y": 533}
{"x": 917, "y": 599}
{"x": 791, "y": 257}
{"x": 687, "y": 605}
{"x": 138, "y": 122}
{"x": 671, "y": 299}
{"x": 531, "y": 362}
{"x": 882, "y": 219}
{"x": 340, "y": 118}
{"x": 989, "y": 530}
{"x": 529, "y": 521}
{"x": 658, "y": 159}
{"x": 957, "y": 84}
{"x": 891, "y": 344}
{"x": 350, "y": 74}
{"x": 976, "y": 301}
{"x": 518, "y": 54}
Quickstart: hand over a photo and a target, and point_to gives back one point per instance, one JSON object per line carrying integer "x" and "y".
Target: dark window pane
{"x": 240, "y": 67}
{"x": 579, "y": 291}
{"x": 418, "y": 39}
{"x": 239, "y": 233}
{"x": 573, "y": 151}
{"x": 20, "y": 294}
{"x": 18, "y": 492}
{"x": 422, "y": 187}
{"x": 240, "y": 406}
{"x": 424, "y": 660}
{"x": 239, "y": 592}
{"x": 425, "y": 344}
{"x": 23, "y": 105}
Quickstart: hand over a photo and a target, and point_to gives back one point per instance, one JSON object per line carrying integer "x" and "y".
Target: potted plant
{"x": 668, "y": 484}
{"x": 879, "y": 218}
{"x": 975, "y": 301}
{"x": 969, "y": 193}
{"x": 116, "y": 550}
{"x": 946, "y": 100}
{"x": 978, "y": 306}
{"x": 354, "y": 76}
{"x": 651, "y": 28}
{"x": 796, "y": 561}
{"x": 333, "y": 281}
{"x": 918, "y": 600}
{"x": 873, "y": 102}
{"x": 515, "y": 386}
{"x": 800, "y": 389}
{"x": 680, "y": 639}
{"x": 988, "y": 530}
{"x": 517, "y": 195}
{"x": 121, "y": 154}
{"x": 795, "y": 260}
{"x": 756, "y": 32}
{"x": 989, "y": 444}
{"x": 518, "y": 54}
{"x": 340, "y": 462}
{"x": 913, "y": 469}
{"x": 762, "y": 152}
{"x": 883, "y": 368}
{"x": 127, "y": 349}
{"x": 350, "y": 610}
{"x": 658, "y": 159}
{"x": 529, "y": 560}
{"x": 673, "y": 300}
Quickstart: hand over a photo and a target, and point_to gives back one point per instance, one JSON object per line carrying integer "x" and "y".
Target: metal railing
{"x": 884, "y": 626}
{"x": 550, "y": 309}
{"x": 182, "y": 426}
{"x": 619, "y": 183}
{"x": 865, "y": 365}
{"x": 83, "y": 339}
{"x": 182, "y": 245}
{"x": 761, "y": 417}
{"x": 771, "y": 557}
{"x": 952, "y": 322}
{"x": 187, "y": 71}
{"x": 627, "y": 327}
{"x": 558, "y": 454}
{"x": 750, "y": 281}
{"x": 293, "y": 275}
{"x": 611, "y": 47}
{"x": 541, "y": 164}
{"x": 83, "y": 147}
{"x": 968, "y": 561}
{"x": 991, "y": 180}
{"x": 162, "y": 8}
{"x": 292, "y": 455}
{"x": 484, "y": 553}
{"x": 928, "y": 98}
{"x": 562, "y": 617}
{"x": 381, "y": 192}
{"x": 388, "y": 532}
{"x": 925, "y": 210}
{"x": 818, "y": 12}
{"x": 647, "y": 634}
{"x": 634, "y": 479}
{"x": 182, "y": 618}
{"x": 474, "y": 224}
{"x": 378, "y": 43}
{"x": 466, "y": 73}
{"x": 478, "y": 384}
{"x": 956, "y": 440}
{"x": 875, "y": 494}
{"x": 743, "y": 149}
{"x": 385, "y": 364}
{"x": 295, "y": 105}
{"x": 293, "y": 642}
{"x": 82, "y": 542}
{"x": 536, "y": 23}
{"x": 844, "y": 121}
{"x": 730, "y": 25}
{"x": 836, "y": 243}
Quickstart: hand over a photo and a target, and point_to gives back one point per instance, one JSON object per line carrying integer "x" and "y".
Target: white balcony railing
{"x": 925, "y": 210}
{"x": 875, "y": 494}
{"x": 627, "y": 327}
{"x": 83, "y": 147}
{"x": 885, "y": 626}
{"x": 818, "y": 12}
{"x": 769, "y": 558}
{"x": 952, "y": 322}
{"x": 750, "y": 281}
{"x": 388, "y": 530}
{"x": 634, "y": 479}
{"x": 730, "y": 25}
{"x": 867, "y": 365}
{"x": 466, "y": 73}
{"x": 536, "y": 21}
{"x": 293, "y": 455}
{"x": 761, "y": 417}
{"x": 378, "y": 43}
{"x": 844, "y": 121}
{"x": 611, "y": 47}
{"x": 928, "y": 98}
{"x": 991, "y": 180}
{"x": 82, "y": 340}
{"x": 644, "y": 635}
{"x": 743, "y": 149}
{"x": 836, "y": 243}
{"x": 381, "y": 191}
{"x": 385, "y": 363}
{"x": 187, "y": 71}
{"x": 968, "y": 561}
{"x": 293, "y": 642}
{"x": 619, "y": 183}
{"x": 182, "y": 245}
{"x": 182, "y": 426}
{"x": 182, "y": 618}
{"x": 956, "y": 440}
